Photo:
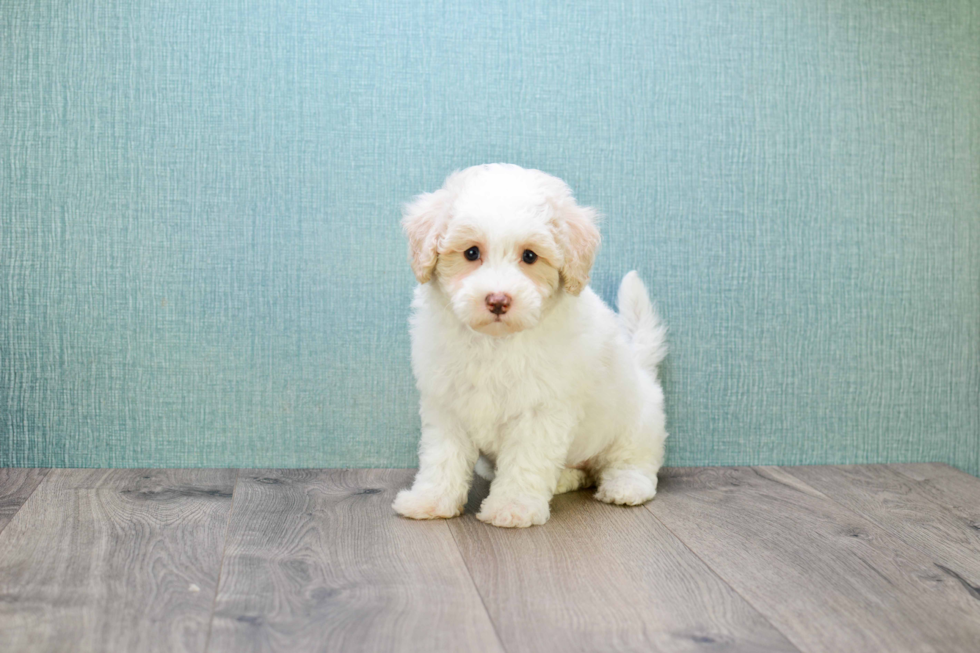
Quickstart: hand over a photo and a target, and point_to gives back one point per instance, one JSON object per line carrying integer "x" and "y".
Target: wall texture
{"x": 201, "y": 264}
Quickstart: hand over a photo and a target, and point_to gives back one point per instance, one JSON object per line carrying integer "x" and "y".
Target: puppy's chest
{"x": 494, "y": 384}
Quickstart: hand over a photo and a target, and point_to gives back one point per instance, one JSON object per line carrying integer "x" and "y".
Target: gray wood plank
{"x": 16, "y": 485}
{"x": 318, "y": 561}
{"x": 604, "y": 578}
{"x": 898, "y": 504}
{"x": 955, "y": 489}
{"x": 828, "y": 578}
{"x": 114, "y": 560}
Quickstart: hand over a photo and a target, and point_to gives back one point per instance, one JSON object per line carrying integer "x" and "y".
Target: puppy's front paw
{"x": 421, "y": 505}
{"x": 518, "y": 512}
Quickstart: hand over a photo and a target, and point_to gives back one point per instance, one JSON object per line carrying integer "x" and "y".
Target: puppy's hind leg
{"x": 485, "y": 469}
{"x": 628, "y": 474}
{"x": 572, "y": 479}
{"x": 626, "y": 486}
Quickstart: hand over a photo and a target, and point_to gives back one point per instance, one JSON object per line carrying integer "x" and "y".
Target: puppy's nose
{"x": 498, "y": 303}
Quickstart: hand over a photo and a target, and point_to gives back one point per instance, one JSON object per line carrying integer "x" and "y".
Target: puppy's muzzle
{"x": 498, "y": 303}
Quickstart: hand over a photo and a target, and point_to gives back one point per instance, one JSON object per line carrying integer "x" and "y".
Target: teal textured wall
{"x": 201, "y": 262}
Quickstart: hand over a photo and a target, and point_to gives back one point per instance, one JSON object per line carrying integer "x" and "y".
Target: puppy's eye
{"x": 529, "y": 257}
{"x": 472, "y": 254}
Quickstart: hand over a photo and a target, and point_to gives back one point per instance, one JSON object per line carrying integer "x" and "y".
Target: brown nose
{"x": 498, "y": 303}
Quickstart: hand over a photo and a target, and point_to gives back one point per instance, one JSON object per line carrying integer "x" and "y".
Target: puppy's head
{"x": 501, "y": 242}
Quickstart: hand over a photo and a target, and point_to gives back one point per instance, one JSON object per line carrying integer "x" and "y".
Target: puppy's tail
{"x": 647, "y": 333}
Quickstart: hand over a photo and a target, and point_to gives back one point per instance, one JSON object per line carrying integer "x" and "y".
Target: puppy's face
{"x": 499, "y": 271}
{"x": 501, "y": 242}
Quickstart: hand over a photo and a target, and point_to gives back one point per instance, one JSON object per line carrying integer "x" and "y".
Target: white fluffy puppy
{"x": 516, "y": 358}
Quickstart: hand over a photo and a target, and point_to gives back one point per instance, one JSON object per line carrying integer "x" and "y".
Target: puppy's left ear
{"x": 580, "y": 240}
{"x": 424, "y": 221}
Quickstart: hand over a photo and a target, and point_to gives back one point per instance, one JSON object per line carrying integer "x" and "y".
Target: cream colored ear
{"x": 424, "y": 221}
{"x": 580, "y": 240}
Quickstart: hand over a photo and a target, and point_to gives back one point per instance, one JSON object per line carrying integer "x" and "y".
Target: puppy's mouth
{"x": 496, "y": 325}
{"x": 488, "y": 318}
{"x": 502, "y": 319}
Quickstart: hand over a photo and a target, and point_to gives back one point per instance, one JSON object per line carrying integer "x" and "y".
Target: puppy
{"x": 517, "y": 359}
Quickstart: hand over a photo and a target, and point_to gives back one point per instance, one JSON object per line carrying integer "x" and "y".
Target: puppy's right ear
{"x": 424, "y": 221}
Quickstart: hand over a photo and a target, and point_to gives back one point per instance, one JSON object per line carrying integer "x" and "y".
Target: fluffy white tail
{"x": 648, "y": 335}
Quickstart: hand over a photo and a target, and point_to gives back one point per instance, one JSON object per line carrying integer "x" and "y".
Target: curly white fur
{"x": 556, "y": 393}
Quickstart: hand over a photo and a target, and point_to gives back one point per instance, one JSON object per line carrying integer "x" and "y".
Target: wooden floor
{"x": 836, "y": 559}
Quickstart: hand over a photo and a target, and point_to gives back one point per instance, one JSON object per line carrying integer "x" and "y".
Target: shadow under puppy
{"x": 517, "y": 359}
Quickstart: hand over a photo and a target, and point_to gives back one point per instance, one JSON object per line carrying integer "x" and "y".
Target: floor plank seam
{"x": 44, "y": 477}
{"x": 762, "y": 615}
{"x": 483, "y": 602}
{"x": 971, "y": 590}
{"x": 221, "y": 564}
